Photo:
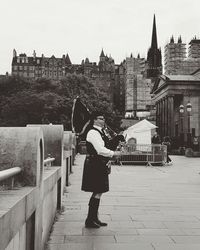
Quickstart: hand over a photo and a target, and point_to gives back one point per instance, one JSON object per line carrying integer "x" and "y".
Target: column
{"x": 171, "y": 115}
{"x": 158, "y": 118}
{"x": 167, "y": 117}
{"x": 163, "y": 118}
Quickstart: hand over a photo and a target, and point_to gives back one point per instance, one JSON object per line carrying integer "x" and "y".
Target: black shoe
{"x": 91, "y": 224}
{"x": 102, "y": 224}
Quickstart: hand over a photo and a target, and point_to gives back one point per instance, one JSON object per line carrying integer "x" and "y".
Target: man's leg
{"x": 91, "y": 217}
{"x": 96, "y": 201}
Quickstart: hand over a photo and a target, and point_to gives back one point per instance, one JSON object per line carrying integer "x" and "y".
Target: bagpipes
{"x": 81, "y": 124}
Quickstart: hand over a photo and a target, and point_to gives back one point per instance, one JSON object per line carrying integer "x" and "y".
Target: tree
{"x": 40, "y": 101}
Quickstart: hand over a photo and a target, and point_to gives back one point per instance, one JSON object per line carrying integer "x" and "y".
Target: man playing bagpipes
{"x": 100, "y": 149}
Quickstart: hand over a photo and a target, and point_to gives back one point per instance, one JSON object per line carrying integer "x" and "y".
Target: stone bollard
{"x": 24, "y": 148}
{"x": 67, "y": 140}
{"x": 53, "y": 141}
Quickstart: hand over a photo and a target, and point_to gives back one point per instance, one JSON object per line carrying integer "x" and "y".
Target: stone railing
{"x": 30, "y": 198}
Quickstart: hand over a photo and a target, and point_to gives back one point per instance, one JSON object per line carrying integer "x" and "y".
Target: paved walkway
{"x": 147, "y": 208}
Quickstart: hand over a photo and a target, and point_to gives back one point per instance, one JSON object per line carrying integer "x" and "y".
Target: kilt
{"x": 95, "y": 174}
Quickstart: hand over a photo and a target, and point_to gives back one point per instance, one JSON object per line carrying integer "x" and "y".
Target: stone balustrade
{"x": 28, "y": 208}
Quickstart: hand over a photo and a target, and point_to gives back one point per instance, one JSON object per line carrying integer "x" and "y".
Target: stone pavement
{"x": 146, "y": 208}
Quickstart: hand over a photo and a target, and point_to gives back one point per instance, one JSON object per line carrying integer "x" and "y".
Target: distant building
{"x": 128, "y": 83}
{"x": 177, "y": 100}
{"x": 194, "y": 48}
{"x": 137, "y": 86}
{"x": 37, "y": 67}
{"x": 105, "y": 74}
{"x": 119, "y": 88}
{"x": 176, "y": 60}
{"x": 139, "y": 78}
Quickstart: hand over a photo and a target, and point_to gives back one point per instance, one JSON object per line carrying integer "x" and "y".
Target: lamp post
{"x": 189, "y": 110}
{"x": 181, "y": 110}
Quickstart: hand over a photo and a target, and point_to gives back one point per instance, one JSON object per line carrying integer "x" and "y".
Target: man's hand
{"x": 117, "y": 154}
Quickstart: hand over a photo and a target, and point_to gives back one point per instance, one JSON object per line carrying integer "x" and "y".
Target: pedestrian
{"x": 155, "y": 139}
{"x": 95, "y": 172}
{"x": 167, "y": 142}
{"x": 156, "y": 147}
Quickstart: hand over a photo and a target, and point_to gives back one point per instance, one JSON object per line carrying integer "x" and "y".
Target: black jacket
{"x": 156, "y": 139}
{"x": 95, "y": 172}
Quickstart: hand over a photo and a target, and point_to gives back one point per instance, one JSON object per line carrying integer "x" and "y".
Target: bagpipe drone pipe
{"x": 82, "y": 123}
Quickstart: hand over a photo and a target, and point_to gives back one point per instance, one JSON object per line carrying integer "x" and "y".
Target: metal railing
{"x": 48, "y": 162}
{"x": 5, "y": 174}
{"x": 11, "y": 172}
{"x": 147, "y": 153}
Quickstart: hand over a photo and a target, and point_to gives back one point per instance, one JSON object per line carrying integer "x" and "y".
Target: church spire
{"x": 67, "y": 60}
{"x": 154, "y": 55}
{"x": 172, "y": 39}
{"x": 102, "y": 53}
{"x": 154, "y": 35}
{"x": 179, "y": 39}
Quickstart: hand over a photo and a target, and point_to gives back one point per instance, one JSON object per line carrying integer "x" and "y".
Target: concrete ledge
{"x": 17, "y": 206}
{"x": 51, "y": 177}
{"x": 13, "y": 213}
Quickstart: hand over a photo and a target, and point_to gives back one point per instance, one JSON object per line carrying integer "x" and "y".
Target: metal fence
{"x": 144, "y": 153}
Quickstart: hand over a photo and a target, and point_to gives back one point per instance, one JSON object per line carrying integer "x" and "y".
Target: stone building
{"x": 194, "y": 48}
{"x": 128, "y": 83}
{"x": 140, "y": 75}
{"x": 119, "y": 88}
{"x": 177, "y": 99}
{"x": 37, "y": 67}
{"x": 137, "y": 86}
{"x": 105, "y": 74}
{"x": 176, "y": 60}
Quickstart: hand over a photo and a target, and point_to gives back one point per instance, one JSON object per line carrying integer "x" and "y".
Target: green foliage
{"x": 43, "y": 101}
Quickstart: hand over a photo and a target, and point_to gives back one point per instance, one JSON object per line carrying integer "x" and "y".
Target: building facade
{"x": 139, "y": 78}
{"x": 102, "y": 74}
{"x": 128, "y": 83}
{"x": 177, "y": 99}
{"x": 137, "y": 86}
{"x": 176, "y": 60}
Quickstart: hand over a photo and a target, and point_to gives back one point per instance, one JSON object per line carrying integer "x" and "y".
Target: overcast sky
{"x": 82, "y": 28}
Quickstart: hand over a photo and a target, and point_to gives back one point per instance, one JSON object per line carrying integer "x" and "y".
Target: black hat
{"x": 95, "y": 114}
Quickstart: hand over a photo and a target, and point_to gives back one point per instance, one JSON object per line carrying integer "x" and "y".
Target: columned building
{"x": 177, "y": 99}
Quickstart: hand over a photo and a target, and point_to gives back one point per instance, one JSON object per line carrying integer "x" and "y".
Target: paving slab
{"x": 146, "y": 208}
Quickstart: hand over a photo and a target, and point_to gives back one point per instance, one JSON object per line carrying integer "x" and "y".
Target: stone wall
{"x": 28, "y": 212}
